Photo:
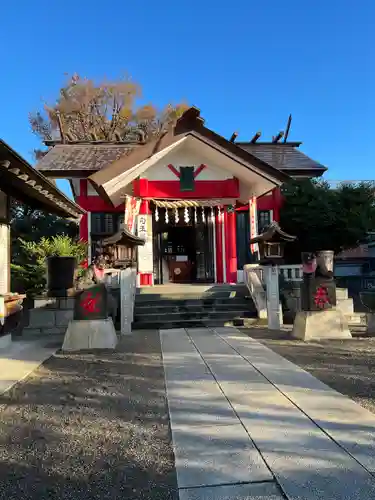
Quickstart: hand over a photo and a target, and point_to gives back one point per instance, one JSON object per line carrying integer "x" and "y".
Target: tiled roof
{"x": 354, "y": 253}
{"x": 76, "y": 157}
{"x": 282, "y": 157}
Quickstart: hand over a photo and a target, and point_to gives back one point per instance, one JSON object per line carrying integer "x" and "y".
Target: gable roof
{"x": 285, "y": 157}
{"x": 111, "y": 179}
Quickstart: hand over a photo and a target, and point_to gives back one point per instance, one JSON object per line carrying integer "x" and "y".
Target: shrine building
{"x": 196, "y": 197}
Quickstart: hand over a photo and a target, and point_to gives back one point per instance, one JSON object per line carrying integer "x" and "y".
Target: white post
{"x": 126, "y": 300}
{"x": 274, "y": 312}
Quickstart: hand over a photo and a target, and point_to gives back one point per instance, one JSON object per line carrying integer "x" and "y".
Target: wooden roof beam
{"x": 276, "y": 139}
{"x": 256, "y": 137}
{"x": 233, "y": 137}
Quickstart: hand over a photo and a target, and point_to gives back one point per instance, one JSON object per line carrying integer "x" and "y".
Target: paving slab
{"x": 262, "y": 491}
{"x": 206, "y": 453}
{"x": 307, "y": 464}
{"x": 21, "y": 359}
{"x": 348, "y": 423}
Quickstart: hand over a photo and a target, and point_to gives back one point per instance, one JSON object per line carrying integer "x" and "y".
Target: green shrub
{"x": 59, "y": 246}
{"x": 29, "y": 276}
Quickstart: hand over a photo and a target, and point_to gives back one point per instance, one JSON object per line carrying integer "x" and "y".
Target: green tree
{"x": 30, "y": 226}
{"x": 323, "y": 218}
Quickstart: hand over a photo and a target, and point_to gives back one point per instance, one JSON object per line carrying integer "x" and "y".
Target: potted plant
{"x": 61, "y": 254}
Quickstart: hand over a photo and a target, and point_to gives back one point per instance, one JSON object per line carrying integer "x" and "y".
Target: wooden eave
{"x": 21, "y": 181}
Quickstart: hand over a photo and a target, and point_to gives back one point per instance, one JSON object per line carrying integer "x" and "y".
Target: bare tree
{"x": 108, "y": 111}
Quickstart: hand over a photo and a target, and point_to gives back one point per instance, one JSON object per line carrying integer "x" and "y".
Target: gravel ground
{"x": 90, "y": 426}
{"x": 345, "y": 365}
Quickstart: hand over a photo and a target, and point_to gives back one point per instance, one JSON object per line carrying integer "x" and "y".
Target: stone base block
{"x": 90, "y": 334}
{"x": 370, "y": 325}
{"x": 346, "y": 306}
{"x": 316, "y": 325}
{"x": 5, "y": 341}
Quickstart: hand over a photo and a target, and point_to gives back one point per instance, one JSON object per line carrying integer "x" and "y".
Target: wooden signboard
{"x": 91, "y": 303}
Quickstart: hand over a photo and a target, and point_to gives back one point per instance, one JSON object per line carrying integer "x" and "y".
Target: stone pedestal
{"x": 317, "y": 325}
{"x": 50, "y": 316}
{"x": 90, "y": 334}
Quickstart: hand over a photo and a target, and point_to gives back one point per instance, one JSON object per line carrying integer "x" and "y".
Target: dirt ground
{"x": 90, "y": 427}
{"x": 345, "y": 365}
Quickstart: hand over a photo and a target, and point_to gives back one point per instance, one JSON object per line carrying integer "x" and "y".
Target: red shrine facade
{"x": 197, "y": 197}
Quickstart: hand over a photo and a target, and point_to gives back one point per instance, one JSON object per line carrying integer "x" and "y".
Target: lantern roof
{"x": 272, "y": 234}
{"x": 124, "y": 236}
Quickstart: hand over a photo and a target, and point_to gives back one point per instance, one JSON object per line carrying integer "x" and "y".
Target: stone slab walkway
{"x": 248, "y": 424}
{"x": 21, "y": 358}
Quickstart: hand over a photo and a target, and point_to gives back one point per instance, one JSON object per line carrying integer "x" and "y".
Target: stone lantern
{"x": 271, "y": 249}
{"x": 271, "y": 244}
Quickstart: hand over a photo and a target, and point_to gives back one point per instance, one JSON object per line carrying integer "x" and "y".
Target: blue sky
{"x": 245, "y": 64}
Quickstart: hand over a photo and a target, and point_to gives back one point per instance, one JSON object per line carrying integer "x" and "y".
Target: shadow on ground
{"x": 90, "y": 426}
{"x": 347, "y": 366}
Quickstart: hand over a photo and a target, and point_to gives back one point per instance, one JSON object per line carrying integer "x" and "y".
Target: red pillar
{"x": 231, "y": 245}
{"x": 219, "y": 247}
{"x": 83, "y": 225}
{"x": 145, "y": 279}
{"x": 276, "y": 202}
{"x": 84, "y": 228}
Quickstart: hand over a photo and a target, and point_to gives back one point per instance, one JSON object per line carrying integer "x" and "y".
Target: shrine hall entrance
{"x": 183, "y": 249}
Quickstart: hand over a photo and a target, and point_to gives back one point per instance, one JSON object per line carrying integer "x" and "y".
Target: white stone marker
{"x": 274, "y": 312}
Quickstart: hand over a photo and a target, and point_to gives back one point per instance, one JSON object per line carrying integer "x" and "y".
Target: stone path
{"x": 21, "y": 358}
{"x": 248, "y": 424}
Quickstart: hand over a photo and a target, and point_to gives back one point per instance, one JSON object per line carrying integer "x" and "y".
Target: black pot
{"x": 60, "y": 275}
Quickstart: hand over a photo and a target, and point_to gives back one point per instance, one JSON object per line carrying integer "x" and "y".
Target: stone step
{"x": 190, "y": 292}
{"x": 356, "y": 319}
{"x": 153, "y": 308}
{"x": 182, "y": 316}
{"x": 193, "y": 323}
{"x": 341, "y": 293}
{"x": 191, "y": 302}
